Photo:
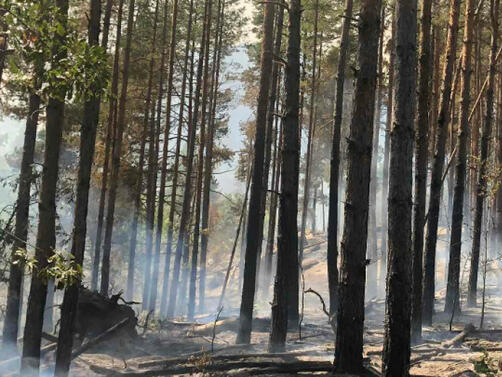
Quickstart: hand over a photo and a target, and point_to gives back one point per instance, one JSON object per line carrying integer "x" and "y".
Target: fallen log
{"x": 459, "y": 339}
{"x": 92, "y": 342}
{"x": 262, "y": 367}
{"x": 183, "y": 360}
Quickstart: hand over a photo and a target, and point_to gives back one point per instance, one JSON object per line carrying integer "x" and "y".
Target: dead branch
{"x": 459, "y": 338}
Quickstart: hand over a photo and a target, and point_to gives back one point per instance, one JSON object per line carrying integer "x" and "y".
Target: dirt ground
{"x": 199, "y": 346}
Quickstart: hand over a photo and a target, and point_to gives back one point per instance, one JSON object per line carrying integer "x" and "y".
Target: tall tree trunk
{"x": 421, "y": 150}
{"x": 386, "y": 151}
{"x": 452, "y": 291}
{"x": 152, "y": 293}
{"x": 200, "y": 167}
{"x": 172, "y": 205}
{"x": 481, "y": 187}
{"x": 116, "y": 155}
{"x": 184, "y": 224}
{"x": 437, "y": 166}
{"x": 310, "y": 136}
{"x": 15, "y": 287}
{"x": 46, "y": 233}
{"x": 396, "y": 349}
{"x": 87, "y": 146}
{"x": 349, "y": 336}
{"x": 110, "y": 131}
{"x": 287, "y": 241}
{"x": 208, "y": 163}
{"x": 332, "y": 258}
{"x": 151, "y": 191}
{"x": 372, "y": 252}
{"x": 254, "y": 220}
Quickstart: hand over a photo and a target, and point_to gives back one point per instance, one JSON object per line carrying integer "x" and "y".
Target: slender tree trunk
{"x": 386, "y": 152}
{"x": 187, "y": 196}
{"x": 436, "y": 55}
{"x": 481, "y": 187}
{"x": 87, "y": 146}
{"x": 349, "y": 337}
{"x": 116, "y": 155}
{"x": 209, "y": 153}
{"x": 254, "y": 220}
{"x": 452, "y": 302}
{"x": 287, "y": 241}
{"x": 421, "y": 150}
{"x": 437, "y": 166}
{"x": 310, "y": 137}
{"x": 372, "y": 252}
{"x": 151, "y": 190}
{"x": 174, "y": 190}
{"x": 332, "y": 258}
{"x": 152, "y": 293}
{"x": 396, "y": 349}
{"x": 200, "y": 167}
{"x": 110, "y": 137}
{"x": 15, "y": 287}
{"x": 110, "y": 130}
{"x": 46, "y": 233}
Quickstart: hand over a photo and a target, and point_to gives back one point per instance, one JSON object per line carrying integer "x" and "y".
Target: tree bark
{"x": 87, "y": 146}
{"x": 332, "y": 250}
{"x": 349, "y": 337}
{"x": 287, "y": 241}
{"x": 452, "y": 290}
{"x": 421, "y": 151}
{"x": 116, "y": 155}
{"x": 437, "y": 166}
{"x": 46, "y": 233}
{"x": 254, "y": 220}
{"x": 396, "y": 349}
{"x": 481, "y": 187}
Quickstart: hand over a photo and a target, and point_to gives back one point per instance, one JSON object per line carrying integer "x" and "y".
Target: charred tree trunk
{"x": 287, "y": 242}
{"x": 421, "y": 151}
{"x": 481, "y": 187}
{"x": 437, "y": 166}
{"x": 46, "y": 233}
{"x": 310, "y": 136}
{"x": 116, "y": 155}
{"x": 254, "y": 220}
{"x": 349, "y": 337}
{"x": 396, "y": 349}
{"x": 87, "y": 146}
{"x": 386, "y": 152}
{"x": 452, "y": 291}
{"x": 332, "y": 258}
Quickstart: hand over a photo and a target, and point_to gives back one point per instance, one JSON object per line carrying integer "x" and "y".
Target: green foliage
{"x": 61, "y": 267}
{"x": 38, "y": 32}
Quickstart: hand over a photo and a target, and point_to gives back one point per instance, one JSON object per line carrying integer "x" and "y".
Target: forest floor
{"x": 206, "y": 347}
